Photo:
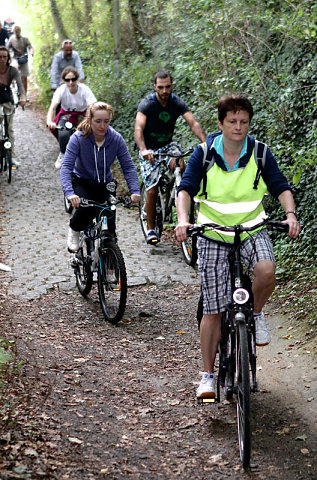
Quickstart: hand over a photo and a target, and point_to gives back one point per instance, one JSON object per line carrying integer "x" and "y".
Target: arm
{"x": 140, "y": 123}
{"x": 72, "y": 152}
{"x": 51, "y": 115}
{"x": 79, "y": 67}
{"x": 287, "y": 201}
{"x": 183, "y": 202}
{"x": 195, "y": 126}
{"x": 129, "y": 170}
{"x": 54, "y": 75}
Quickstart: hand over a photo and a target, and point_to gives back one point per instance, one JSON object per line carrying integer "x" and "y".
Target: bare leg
{"x": 210, "y": 330}
{"x": 150, "y": 206}
{"x": 264, "y": 283}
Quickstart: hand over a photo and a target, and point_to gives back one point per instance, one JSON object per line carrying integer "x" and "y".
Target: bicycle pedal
{"x": 202, "y": 401}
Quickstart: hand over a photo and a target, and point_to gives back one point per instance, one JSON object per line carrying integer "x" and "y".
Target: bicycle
{"x": 166, "y": 197}
{"x": 237, "y": 348}
{"x": 99, "y": 252}
{"x": 5, "y": 143}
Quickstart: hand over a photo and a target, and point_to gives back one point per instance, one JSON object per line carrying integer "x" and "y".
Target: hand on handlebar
{"x": 181, "y": 231}
{"x": 135, "y": 198}
{"x": 74, "y": 200}
{"x": 147, "y": 155}
{"x": 293, "y": 227}
{"x": 51, "y": 125}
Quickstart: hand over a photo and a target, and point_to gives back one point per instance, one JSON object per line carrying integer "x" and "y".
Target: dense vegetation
{"x": 264, "y": 48}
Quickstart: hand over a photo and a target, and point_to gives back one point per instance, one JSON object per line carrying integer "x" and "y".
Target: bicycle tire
{"x": 243, "y": 394}
{"x": 84, "y": 275}
{"x": 189, "y": 248}
{"x": 112, "y": 293}
{"x": 8, "y": 164}
{"x": 160, "y": 213}
{"x": 1, "y": 156}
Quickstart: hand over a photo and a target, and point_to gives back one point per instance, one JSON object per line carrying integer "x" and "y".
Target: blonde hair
{"x": 85, "y": 125}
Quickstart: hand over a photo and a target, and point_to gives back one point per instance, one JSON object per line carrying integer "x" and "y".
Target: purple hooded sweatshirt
{"x": 87, "y": 161}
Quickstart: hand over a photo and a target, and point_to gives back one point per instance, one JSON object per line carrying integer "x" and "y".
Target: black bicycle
{"x": 5, "y": 143}
{"x": 99, "y": 252}
{"x": 237, "y": 349}
{"x": 166, "y": 197}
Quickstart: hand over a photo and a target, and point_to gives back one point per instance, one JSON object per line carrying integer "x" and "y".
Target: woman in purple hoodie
{"x": 86, "y": 171}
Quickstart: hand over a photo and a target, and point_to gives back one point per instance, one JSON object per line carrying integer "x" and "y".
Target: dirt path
{"x": 86, "y": 400}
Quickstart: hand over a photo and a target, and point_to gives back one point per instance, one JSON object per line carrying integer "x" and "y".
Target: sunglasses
{"x": 73, "y": 79}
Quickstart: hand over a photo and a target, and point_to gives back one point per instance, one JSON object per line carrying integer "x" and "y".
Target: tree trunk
{"x": 116, "y": 42}
{"x": 57, "y": 19}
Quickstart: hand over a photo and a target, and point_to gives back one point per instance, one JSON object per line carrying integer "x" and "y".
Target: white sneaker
{"x": 73, "y": 240}
{"x": 59, "y": 160}
{"x": 206, "y": 387}
{"x": 262, "y": 334}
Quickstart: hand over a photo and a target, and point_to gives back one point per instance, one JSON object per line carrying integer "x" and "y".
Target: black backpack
{"x": 260, "y": 150}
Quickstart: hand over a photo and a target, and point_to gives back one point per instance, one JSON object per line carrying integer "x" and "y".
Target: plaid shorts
{"x": 151, "y": 171}
{"x": 213, "y": 267}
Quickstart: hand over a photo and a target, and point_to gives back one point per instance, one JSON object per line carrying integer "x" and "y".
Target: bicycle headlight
{"x": 7, "y": 144}
{"x": 241, "y": 296}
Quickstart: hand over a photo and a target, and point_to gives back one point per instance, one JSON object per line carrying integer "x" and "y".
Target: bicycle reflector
{"x": 241, "y": 296}
{"x": 7, "y": 144}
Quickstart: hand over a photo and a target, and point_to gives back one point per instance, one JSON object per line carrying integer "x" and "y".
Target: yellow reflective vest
{"x": 231, "y": 200}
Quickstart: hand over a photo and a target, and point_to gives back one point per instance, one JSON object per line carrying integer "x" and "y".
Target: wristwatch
{"x": 292, "y": 211}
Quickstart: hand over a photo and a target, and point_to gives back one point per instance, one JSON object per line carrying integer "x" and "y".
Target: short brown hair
{"x": 163, "y": 74}
{"x": 4, "y": 49}
{"x": 233, "y": 103}
{"x": 85, "y": 125}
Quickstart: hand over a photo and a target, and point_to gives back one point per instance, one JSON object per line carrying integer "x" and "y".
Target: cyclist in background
{"x": 8, "y": 74}
{"x": 86, "y": 171}
{"x": 228, "y": 198}
{"x": 66, "y": 57}
{"x": 21, "y": 46}
{"x": 74, "y": 98}
{"x": 154, "y": 128}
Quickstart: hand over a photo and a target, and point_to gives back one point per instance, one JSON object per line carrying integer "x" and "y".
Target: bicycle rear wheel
{"x": 189, "y": 248}
{"x": 243, "y": 394}
{"x": 84, "y": 275}
{"x": 112, "y": 282}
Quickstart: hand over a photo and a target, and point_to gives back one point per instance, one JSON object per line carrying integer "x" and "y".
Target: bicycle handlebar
{"x": 125, "y": 201}
{"x": 177, "y": 156}
{"x": 274, "y": 224}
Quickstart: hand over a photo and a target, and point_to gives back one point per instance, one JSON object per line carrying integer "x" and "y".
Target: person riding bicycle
{"x": 86, "y": 171}
{"x": 154, "y": 127}
{"x": 8, "y": 74}
{"x": 227, "y": 196}
{"x": 74, "y": 98}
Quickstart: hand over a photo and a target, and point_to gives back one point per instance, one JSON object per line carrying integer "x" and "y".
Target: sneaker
{"x": 152, "y": 238}
{"x": 206, "y": 387}
{"x": 73, "y": 240}
{"x": 262, "y": 334}
{"x": 59, "y": 160}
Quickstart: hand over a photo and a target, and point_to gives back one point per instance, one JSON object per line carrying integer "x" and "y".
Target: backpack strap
{"x": 260, "y": 150}
{"x": 208, "y": 161}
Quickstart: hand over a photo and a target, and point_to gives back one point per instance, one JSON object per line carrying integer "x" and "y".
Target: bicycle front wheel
{"x": 112, "y": 282}
{"x": 189, "y": 248}
{"x": 243, "y": 394}
{"x": 8, "y": 164}
{"x": 84, "y": 275}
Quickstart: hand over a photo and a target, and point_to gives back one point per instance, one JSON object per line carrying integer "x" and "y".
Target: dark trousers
{"x": 84, "y": 216}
